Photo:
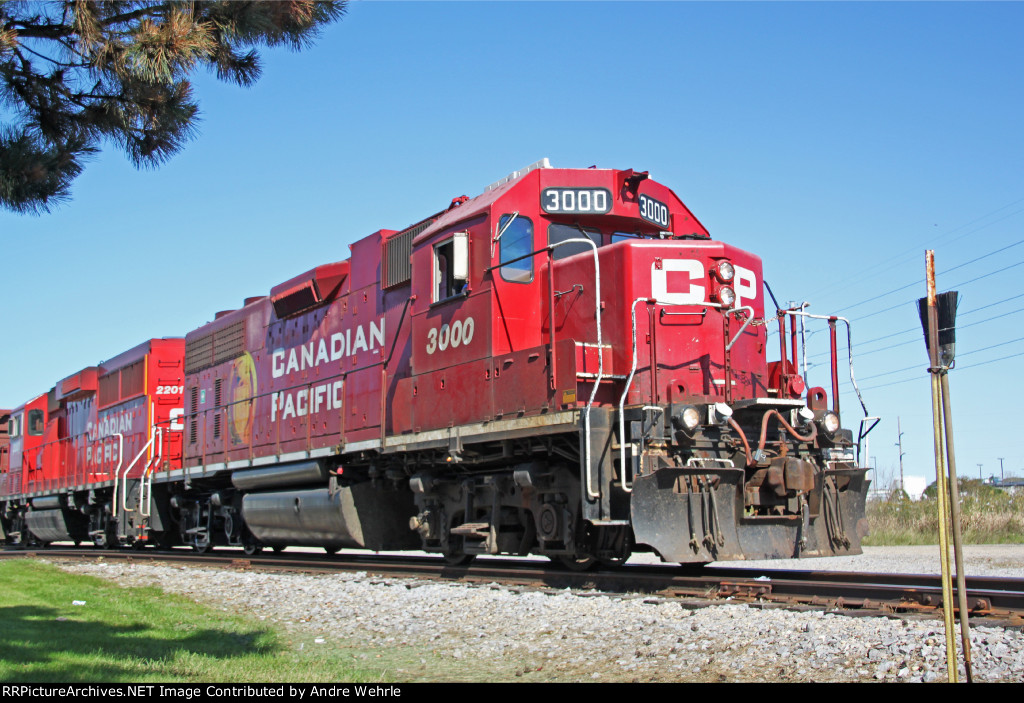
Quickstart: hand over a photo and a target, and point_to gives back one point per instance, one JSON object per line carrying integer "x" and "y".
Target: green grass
{"x": 987, "y": 516}
{"x": 134, "y": 635}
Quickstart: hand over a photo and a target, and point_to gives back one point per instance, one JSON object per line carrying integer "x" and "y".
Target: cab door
{"x": 521, "y": 356}
{"x": 516, "y": 284}
{"x": 451, "y": 328}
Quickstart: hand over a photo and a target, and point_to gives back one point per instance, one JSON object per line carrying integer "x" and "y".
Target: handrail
{"x": 832, "y": 319}
{"x": 632, "y": 372}
{"x": 625, "y": 392}
{"x": 862, "y": 435}
{"x": 585, "y": 470}
{"x": 746, "y": 323}
{"x": 146, "y": 489}
{"x": 124, "y": 476}
{"x": 120, "y": 460}
{"x": 600, "y": 356}
{"x": 154, "y": 459}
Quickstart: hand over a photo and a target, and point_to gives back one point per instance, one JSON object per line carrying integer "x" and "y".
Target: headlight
{"x": 690, "y": 418}
{"x": 726, "y": 296}
{"x": 725, "y": 271}
{"x": 830, "y": 422}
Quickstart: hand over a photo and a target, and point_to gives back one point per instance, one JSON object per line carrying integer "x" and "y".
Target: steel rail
{"x": 999, "y": 598}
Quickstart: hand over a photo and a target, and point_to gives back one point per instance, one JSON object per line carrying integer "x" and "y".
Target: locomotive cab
{"x": 602, "y": 318}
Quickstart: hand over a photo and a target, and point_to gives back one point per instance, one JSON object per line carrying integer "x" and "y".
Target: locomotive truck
{"x": 565, "y": 365}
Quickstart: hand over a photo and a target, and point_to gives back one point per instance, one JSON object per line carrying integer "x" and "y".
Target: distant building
{"x": 1011, "y": 484}
{"x": 913, "y": 485}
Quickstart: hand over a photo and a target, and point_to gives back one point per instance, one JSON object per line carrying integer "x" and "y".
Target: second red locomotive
{"x": 564, "y": 365}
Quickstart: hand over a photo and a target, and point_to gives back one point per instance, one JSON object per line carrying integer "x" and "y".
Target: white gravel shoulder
{"x": 979, "y": 560}
{"x": 451, "y": 631}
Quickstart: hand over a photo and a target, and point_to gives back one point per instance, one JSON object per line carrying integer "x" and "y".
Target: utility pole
{"x": 899, "y": 443}
{"x": 979, "y": 473}
{"x": 1001, "y": 476}
{"x": 938, "y": 319}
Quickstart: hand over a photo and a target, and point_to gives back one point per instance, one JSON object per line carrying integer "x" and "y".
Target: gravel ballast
{"x": 420, "y": 630}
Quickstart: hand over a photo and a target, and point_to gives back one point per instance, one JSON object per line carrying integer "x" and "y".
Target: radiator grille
{"x": 217, "y": 397}
{"x": 194, "y": 422}
{"x": 397, "y": 251}
{"x": 110, "y": 388}
{"x": 133, "y": 379}
{"x": 215, "y": 348}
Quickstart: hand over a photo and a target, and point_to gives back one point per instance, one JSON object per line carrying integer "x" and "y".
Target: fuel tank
{"x": 57, "y": 525}
{"x": 356, "y": 517}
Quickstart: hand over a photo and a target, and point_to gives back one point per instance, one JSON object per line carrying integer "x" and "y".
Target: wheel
{"x": 455, "y": 554}
{"x": 164, "y": 540}
{"x": 458, "y": 558}
{"x": 576, "y": 562}
{"x": 105, "y": 540}
{"x": 202, "y": 546}
{"x": 278, "y": 548}
{"x": 252, "y": 548}
{"x": 331, "y": 551}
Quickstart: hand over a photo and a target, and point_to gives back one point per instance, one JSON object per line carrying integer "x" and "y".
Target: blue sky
{"x": 837, "y": 141}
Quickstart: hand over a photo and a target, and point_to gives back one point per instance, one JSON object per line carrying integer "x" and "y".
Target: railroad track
{"x": 996, "y": 600}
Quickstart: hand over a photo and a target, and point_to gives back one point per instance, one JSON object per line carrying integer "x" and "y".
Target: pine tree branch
{"x": 120, "y": 75}
{"x": 153, "y": 11}
{"x": 74, "y": 50}
{"x": 40, "y": 31}
{"x": 55, "y": 62}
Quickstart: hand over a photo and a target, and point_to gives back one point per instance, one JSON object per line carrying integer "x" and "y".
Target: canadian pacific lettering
{"x": 304, "y": 401}
{"x": 317, "y": 352}
{"x": 299, "y": 402}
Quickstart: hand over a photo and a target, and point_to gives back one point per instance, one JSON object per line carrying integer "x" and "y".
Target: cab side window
{"x": 451, "y": 267}
{"x": 444, "y": 281}
{"x": 516, "y": 241}
{"x": 35, "y": 422}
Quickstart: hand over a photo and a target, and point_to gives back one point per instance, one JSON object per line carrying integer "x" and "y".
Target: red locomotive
{"x": 564, "y": 365}
{"x": 82, "y": 453}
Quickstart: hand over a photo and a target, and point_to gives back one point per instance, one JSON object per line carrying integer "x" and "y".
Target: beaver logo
{"x": 242, "y": 392}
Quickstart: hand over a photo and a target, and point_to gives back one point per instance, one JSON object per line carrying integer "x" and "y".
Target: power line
{"x": 954, "y": 286}
{"x": 954, "y": 268}
{"x": 921, "y": 281}
{"x": 899, "y": 259}
{"x": 963, "y": 354}
{"x": 911, "y": 341}
{"x": 962, "y": 315}
{"x": 959, "y": 368}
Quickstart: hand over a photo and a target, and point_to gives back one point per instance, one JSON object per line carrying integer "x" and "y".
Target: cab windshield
{"x": 558, "y": 233}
